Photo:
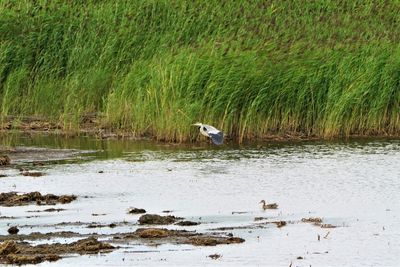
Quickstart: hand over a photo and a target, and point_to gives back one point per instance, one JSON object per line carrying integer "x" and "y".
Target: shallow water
{"x": 353, "y": 185}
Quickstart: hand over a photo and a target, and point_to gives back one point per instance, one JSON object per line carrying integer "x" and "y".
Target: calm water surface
{"x": 353, "y": 185}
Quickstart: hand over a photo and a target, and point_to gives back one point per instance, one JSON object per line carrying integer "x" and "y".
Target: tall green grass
{"x": 252, "y": 68}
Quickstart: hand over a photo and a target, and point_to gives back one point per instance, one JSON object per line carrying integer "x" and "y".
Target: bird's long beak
{"x": 197, "y": 124}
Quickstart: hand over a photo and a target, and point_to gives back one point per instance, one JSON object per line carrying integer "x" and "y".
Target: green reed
{"x": 252, "y": 68}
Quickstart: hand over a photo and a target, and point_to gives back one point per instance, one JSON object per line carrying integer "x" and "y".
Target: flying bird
{"x": 217, "y": 137}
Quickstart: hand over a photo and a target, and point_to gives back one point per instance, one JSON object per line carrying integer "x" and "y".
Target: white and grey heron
{"x": 217, "y": 137}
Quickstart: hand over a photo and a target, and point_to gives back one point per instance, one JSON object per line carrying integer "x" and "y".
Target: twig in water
{"x": 326, "y": 236}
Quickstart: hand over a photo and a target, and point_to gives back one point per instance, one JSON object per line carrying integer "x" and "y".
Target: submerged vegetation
{"x": 251, "y": 68}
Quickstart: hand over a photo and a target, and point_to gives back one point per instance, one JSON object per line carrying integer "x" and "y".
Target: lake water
{"x": 354, "y": 185}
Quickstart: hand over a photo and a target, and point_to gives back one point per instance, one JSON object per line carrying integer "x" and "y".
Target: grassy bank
{"x": 319, "y": 68}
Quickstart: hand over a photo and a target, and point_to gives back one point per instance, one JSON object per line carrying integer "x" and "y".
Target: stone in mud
{"x": 13, "y": 230}
{"x": 187, "y": 223}
{"x": 157, "y": 219}
{"x": 215, "y": 256}
{"x": 4, "y": 160}
{"x": 152, "y": 232}
{"x": 136, "y": 211}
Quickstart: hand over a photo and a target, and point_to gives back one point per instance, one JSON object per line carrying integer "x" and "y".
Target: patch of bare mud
{"x": 318, "y": 222}
{"x": 14, "y": 249}
{"x": 32, "y": 173}
{"x": 314, "y": 220}
{"x": 258, "y": 225}
{"x": 40, "y": 236}
{"x": 14, "y": 199}
{"x": 162, "y": 235}
{"x": 158, "y": 219}
{"x": 12, "y": 252}
{"x": 4, "y": 160}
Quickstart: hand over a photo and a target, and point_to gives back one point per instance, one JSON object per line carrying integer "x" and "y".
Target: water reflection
{"x": 133, "y": 150}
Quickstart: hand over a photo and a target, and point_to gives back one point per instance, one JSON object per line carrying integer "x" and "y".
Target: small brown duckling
{"x": 266, "y": 206}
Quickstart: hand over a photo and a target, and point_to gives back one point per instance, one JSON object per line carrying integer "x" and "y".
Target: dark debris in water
{"x": 213, "y": 241}
{"x": 98, "y": 214}
{"x": 47, "y": 210}
{"x": 187, "y": 223}
{"x": 136, "y": 211}
{"x": 7, "y": 217}
{"x": 239, "y": 212}
{"x": 95, "y": 225}
{"x": 215, "y": 256}
{"x": 260, "y": 218}
{"x": 279, "y": 224}
{"x": 312, "y": 220}
{"x": 13, "y": 230}
{"x": 328, "y": 225}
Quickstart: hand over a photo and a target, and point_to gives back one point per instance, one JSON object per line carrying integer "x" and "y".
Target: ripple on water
{"x": 353, "y": 185}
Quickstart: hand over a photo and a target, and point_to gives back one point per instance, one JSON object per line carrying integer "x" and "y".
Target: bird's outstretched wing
{"x": 217, "y": 137}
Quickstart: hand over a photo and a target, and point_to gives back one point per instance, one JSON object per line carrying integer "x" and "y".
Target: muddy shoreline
{"x": 90, "y": 126}
{"x": 16, "y": 248}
